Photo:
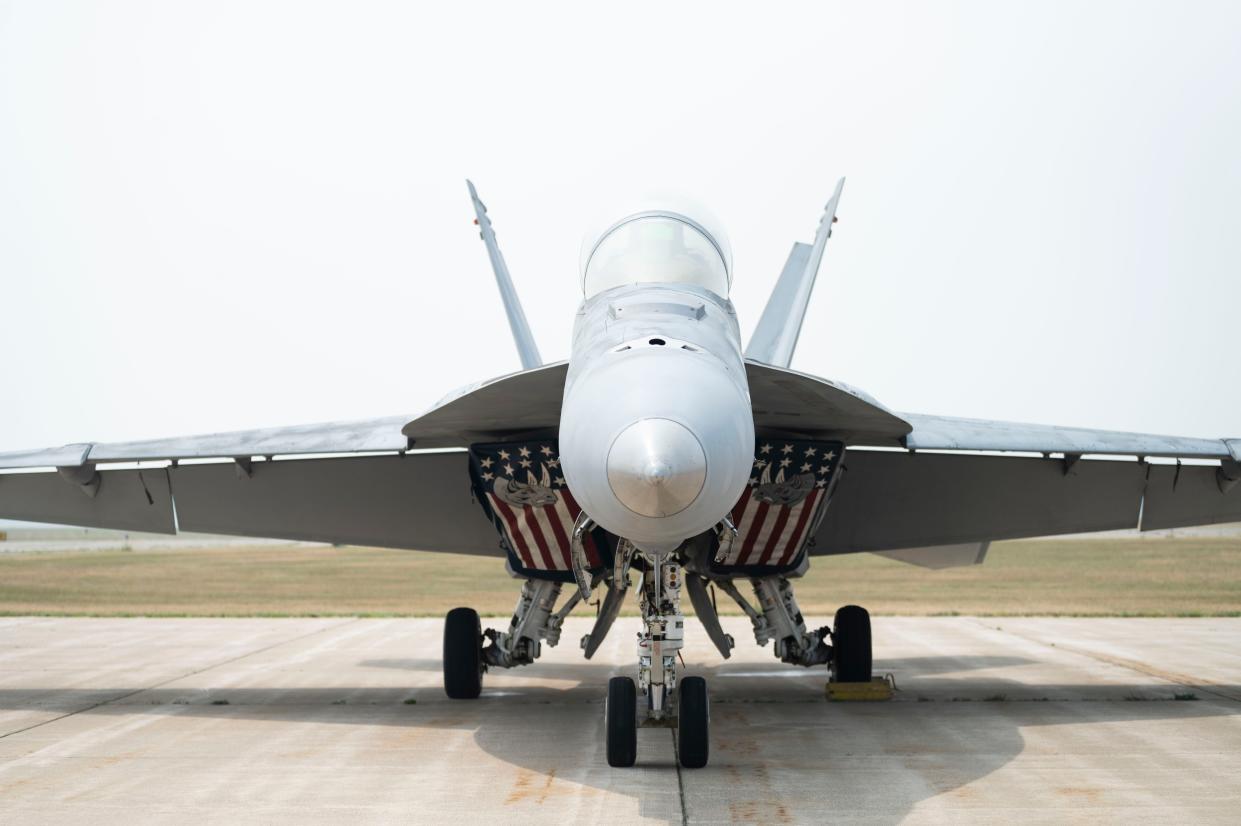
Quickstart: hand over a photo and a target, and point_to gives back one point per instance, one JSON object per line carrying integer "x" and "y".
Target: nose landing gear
{"x": 685, "y": 709}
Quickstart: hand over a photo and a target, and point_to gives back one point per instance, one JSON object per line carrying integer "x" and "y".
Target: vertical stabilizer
{"x": 775, "y": 337}
{"x": 522, "y": 337}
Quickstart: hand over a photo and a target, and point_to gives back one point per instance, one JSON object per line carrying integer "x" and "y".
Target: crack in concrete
{"x": 1205, "y": 686}
{"x": 163, "y": 683}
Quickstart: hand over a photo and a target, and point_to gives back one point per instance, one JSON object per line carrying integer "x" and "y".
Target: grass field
{"x": 1092, "y": 577}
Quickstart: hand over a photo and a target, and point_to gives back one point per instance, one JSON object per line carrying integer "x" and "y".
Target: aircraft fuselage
{"x": 656, "y": 431}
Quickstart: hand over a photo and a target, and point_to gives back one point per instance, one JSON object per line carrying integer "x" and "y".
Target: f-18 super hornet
{"x": 663, "y": 450}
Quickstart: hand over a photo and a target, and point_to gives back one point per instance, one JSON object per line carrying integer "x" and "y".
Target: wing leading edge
{"x": 952, "y": 433}
{"x": 362, "y": 436}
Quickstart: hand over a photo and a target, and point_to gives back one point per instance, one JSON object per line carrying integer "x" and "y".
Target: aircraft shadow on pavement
{"x": 777, "y": 744}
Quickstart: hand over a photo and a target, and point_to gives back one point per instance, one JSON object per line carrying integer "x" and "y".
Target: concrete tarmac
{"x": 344, "y": 720}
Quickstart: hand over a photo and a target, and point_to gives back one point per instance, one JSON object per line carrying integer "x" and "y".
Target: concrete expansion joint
{"x": 1183, "y": 680}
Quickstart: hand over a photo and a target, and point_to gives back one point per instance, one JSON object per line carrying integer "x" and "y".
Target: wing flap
{"x": 418, "y": 501}
{"x": 1177, "y": 497}
{"x": 125, "y": 500}
{"x": 892, "y": 501}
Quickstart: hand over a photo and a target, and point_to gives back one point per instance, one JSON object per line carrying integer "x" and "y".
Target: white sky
{"x": 225, "y": 215}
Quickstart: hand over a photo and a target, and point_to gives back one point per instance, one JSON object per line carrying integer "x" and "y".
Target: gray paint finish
{"x": 527, "y": 350}
{"x": 529, "y": 403}
{"x": 775, "y": 337}
{"x": 363, "y": 436}
{"x": 796, "y": 403}
{"x": 127, "y": 500}
{"x": 953, "y": 433}
{"x": 1234, "y": 448}
{"x": 1179, "y": 497}
{"x": 66, "y": 456}
{"x": 329, "y": 437}
{"x": 938, "y": 557}
{"x": 525, "y": 402}
{"x": 418, "y": 501}
{"x": 890, "y": 501}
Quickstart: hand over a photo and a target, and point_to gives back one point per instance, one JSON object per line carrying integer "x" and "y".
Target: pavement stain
{"x": 537, "y": 787}
{"x": 1082, "y": 793}
{"x": 758, "y": 811}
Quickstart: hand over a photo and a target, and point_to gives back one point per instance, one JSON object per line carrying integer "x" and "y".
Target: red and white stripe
{"x": 541, "y": 534}
{"x": 770, "y": 534}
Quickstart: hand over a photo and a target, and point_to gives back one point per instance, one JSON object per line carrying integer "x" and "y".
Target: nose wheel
{"x": 693, "y": 724}
{"x": 681, "y": 706}
{"x": 622, "y": 722}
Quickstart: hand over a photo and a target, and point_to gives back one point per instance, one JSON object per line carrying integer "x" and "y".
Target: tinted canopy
{"x": 656, "y": 247}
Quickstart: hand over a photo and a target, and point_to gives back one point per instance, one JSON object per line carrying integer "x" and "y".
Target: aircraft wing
{"x": 379, "y": 494}
{"x": 924, "y": 500}
{"x": 369, "y": 435}
{"x": 951, "y": 433}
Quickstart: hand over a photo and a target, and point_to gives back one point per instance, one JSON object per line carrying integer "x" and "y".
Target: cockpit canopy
{"x": 660, "y": 247}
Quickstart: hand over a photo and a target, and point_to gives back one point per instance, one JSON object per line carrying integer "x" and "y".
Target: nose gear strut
{"x": 669, "y": 704}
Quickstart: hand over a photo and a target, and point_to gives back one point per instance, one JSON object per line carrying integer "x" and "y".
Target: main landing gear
{"x": 657, "y": 699}
{"x": 845, "y": 647}
{"x": 534, "y": 622}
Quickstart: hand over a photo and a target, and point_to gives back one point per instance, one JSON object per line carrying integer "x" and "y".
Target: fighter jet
{"x": 663, "y": 456}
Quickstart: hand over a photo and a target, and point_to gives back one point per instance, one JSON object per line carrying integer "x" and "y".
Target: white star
{"x": 805, "y": 467}
{"x": 810, "y": 451}
{"x": 504, "y": 455}
{"x": 508, "y": 469}
{"x": 786, "y": 449}
{"x": 822, "y": 483}
{"x": 785, "y": 462}
{"x": 765, "y": 449}
{"x": 487, "y": 477}
{"x": 829, "y": 456}
{"x": 824, "y": 469}
{"x": 559, "y": 480}
{"x": 487, "y": 462}
{"x": 553, "y": 463}
{"x": 525, "y": 451}
{"x": 545, "y": 450}
{"x": 525, "y": 463}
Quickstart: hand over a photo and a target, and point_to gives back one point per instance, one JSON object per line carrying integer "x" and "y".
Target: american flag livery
{"x": 787, "y": 492}
{"x": 524, "y": 493}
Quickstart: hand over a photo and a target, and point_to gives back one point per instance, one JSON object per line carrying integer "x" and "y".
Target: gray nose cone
{"x": 656, "y": 467}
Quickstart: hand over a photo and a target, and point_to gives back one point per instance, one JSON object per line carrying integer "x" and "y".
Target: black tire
{"x": 693, "y": 724}
{"x": 622, "y": 721}
{"x": 463, "y": 654}
{"x": 851, "y": 653}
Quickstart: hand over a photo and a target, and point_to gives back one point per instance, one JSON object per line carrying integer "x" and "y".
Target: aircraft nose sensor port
{"x": 656, "y": 467}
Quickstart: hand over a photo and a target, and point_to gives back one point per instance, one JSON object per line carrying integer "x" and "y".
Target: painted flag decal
{"x": 781, "y": 505}
{"x": 525, "y": 492}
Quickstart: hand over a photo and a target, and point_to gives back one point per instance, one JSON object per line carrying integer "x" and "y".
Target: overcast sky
{"x": 226, "y": 215}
